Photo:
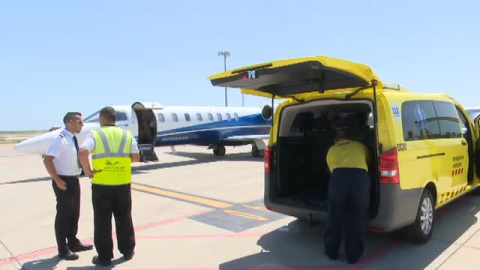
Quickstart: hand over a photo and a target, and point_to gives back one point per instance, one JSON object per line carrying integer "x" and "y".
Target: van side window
{"x": 448, "y": 120}
{"x": 187, "y": 117}
{"x": 210, "y": 116}
{"x": 174, "y": 117}
{"x": 160, "y": 117}
{"x": 419, "y": 121}
{"x": 199, "y": 117}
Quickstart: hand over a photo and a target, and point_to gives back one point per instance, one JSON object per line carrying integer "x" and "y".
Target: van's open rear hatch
{"x": 296, "y": 76}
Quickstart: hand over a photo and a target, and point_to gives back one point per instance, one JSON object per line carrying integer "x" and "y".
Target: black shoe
{"x": 353, "y": 260}
{"x": 128, "y": 256}
{"x": 80, "y": 247}
{"x": 332, "y": 257}
{"x": 68, "y": 255}
{"x": 97, "y": 261}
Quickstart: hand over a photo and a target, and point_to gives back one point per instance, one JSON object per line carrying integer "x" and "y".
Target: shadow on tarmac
{"x": 196, "y": 159}
{"x": 26, "y": 181}
{"x": 299, "y": 246}
{"x": 51, "y": 263}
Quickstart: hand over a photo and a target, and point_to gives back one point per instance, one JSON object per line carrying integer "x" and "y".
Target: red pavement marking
{"x": 53, "y": 250}
{"x": 276, "y": 267}
{"x": 369, "y": 259}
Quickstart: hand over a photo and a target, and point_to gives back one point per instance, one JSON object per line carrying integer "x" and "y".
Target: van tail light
{"x": 389, "y": 173}
{"x": 267, "y": 160}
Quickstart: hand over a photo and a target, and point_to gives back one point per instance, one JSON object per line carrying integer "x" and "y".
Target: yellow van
{"x": 423, "y": 144}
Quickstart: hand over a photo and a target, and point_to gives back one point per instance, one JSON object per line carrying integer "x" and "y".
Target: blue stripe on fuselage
{"x": 214, "y": 132}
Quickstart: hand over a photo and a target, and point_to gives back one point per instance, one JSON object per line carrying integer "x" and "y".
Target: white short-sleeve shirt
{"x": 66, "y": 156}
{"x": 89, "y": 144}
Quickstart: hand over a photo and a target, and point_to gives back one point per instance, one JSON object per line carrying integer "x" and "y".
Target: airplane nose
{"x": 38, "y": 144}
{"x": 27, "y": 146}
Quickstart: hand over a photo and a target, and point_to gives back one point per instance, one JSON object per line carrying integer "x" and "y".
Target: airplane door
{"x": 147, "y": 129}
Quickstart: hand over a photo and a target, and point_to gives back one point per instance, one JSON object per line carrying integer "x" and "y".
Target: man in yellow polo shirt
{"x": 348, "y": 194}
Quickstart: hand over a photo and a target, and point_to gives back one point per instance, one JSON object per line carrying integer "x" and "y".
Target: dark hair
{"x": 109, "y": 114}
{"x": 70, "y": 116}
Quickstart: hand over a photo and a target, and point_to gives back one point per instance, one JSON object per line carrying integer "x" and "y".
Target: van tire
{"x": 421, "y": 230}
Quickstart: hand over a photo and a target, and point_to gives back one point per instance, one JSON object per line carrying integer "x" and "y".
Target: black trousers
{"x": 116, "y": 200}
{"x": 348, "y": 201}
{"x": 68, "y": 212}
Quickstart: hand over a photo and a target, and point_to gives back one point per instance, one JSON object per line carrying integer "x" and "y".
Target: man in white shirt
{"x": 61, "y": 162}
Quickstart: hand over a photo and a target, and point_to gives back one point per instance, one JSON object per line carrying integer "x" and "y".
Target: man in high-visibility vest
{"x": 113, "y": 150}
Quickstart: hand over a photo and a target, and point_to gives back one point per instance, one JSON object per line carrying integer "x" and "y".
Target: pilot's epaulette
{"x": 61, "y": 135}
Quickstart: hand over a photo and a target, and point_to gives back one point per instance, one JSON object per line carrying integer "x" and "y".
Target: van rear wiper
{"x": 348, "y": 96}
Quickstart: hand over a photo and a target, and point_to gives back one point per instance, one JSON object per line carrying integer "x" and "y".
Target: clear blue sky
{"x": 59, "y": 56}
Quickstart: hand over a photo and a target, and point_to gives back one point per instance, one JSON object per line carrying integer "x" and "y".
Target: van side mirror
{"x": 267, "y": 112}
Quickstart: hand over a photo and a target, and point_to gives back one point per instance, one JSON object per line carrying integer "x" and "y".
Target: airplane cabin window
{"x": 199, "y": 117}
{"x": 174, "y": 117}
{"x": 228, "y": 116}
{"x": 210, "y": 116}
{"x": 219, "y": 117}
{"x": 121, "y": 116}
{"x": 236, "y": 116}
{"x": 160, "y": 117}
{"x": 187, "y": 117}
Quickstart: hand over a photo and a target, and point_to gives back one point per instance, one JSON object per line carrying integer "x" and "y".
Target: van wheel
{"x": 219, "y": 150}
{"x": 421, "y": 230}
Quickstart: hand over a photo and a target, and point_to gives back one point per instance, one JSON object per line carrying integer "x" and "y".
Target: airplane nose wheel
{"x": 219, "y": 150}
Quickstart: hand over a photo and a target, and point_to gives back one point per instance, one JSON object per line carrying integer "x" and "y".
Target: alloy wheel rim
{"x": 426, "y": 215}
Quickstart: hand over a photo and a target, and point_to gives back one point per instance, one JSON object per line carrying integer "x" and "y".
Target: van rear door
{"x": 290, "y": 78}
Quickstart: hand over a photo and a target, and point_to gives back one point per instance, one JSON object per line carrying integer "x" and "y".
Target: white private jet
{"x": 155, "y": 125}
{"x": 473, "y": 112}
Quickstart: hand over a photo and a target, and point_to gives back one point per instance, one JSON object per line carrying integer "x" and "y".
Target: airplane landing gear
{"x": 256, "y": 152}
{"x": 219, "y": 150}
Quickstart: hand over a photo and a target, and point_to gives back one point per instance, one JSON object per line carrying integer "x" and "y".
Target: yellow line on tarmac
{"x": 245, "y": 215}
{"x": 181, "y": 196}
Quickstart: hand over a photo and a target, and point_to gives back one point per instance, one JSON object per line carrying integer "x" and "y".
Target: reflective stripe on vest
{"x": 114, "y": 164}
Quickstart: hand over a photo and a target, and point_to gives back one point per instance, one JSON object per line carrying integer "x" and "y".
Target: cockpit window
{"x": 94, "y": 118}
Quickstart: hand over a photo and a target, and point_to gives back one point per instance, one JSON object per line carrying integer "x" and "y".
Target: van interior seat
{"x": 303, "y": 122}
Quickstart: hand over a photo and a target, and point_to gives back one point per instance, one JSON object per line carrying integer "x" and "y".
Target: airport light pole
{"x": 225, "y": 54}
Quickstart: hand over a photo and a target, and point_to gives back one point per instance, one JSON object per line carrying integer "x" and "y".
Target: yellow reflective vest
{"x": 112, "y": 156}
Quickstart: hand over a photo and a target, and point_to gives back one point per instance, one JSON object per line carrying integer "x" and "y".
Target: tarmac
{"x": 193, "y": 210}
